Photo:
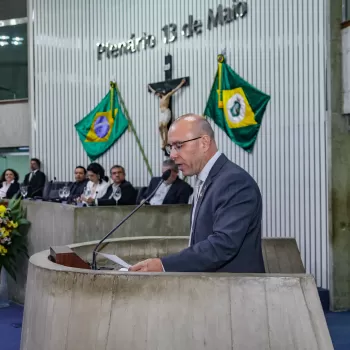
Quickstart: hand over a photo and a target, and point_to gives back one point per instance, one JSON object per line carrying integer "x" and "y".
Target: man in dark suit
{"x": 227, "y": 209}
{"x": 128, "y": 192}
{"x": 172, "y": 191}
{"x": 35, "y": 180}
{"x": 78, "y": 186}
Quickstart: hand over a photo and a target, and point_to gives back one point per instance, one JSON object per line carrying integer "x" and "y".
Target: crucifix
{"x": 165, "y": 90}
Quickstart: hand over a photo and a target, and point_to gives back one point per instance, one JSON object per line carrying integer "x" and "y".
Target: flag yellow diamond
{"x": 238, "y": 112}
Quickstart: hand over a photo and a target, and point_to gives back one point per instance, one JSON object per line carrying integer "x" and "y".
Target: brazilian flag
{"x": 236, "y": 106}
{"x": 103, "y": 126}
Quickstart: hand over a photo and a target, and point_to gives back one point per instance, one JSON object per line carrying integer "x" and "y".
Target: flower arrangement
{"x": 13, "y": 235}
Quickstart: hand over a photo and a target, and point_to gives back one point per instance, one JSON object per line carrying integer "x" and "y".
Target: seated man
{"x": 128, "y": 192}
{"x": 172, "y": 191}
{"x": 78, "y": 186}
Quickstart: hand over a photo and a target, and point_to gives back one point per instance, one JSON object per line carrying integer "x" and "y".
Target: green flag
{"x": 236, "y": 106}
{"x": 101, "y": 128}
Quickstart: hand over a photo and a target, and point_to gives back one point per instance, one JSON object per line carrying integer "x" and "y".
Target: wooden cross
{"x": 168, "y": 84}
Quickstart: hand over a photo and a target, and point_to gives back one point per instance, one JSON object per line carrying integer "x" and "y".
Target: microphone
{"x": 36, "y": 191}
{"x": 165, "y": 177}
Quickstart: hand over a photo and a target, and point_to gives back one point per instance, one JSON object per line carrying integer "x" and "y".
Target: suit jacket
{"x": 36, "y": 184}
{"x": 13, "y": 190}
{"x": 77, "y": 189}
{"x": 226, "y": 232}
{"x": 179, "y": 192}
{"x": 128, "y": 196}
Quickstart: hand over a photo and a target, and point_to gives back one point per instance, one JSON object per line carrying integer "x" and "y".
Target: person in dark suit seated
{"x": 128, "y": 192}
{"x": 225, "y": 231}
{"x": 172, "y": 191}
{"x": 78, "y": 186}
{"x": 35, "y": 180}
{"x": 9, "y": 185}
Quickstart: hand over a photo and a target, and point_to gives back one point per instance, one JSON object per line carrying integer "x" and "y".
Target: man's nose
{"x": 173, "y": 153}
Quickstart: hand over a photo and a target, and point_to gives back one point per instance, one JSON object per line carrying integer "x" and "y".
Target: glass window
{"x": 13, "y": 59}
{"x": 15, "y": 158}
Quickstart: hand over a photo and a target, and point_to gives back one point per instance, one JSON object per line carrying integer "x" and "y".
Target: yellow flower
{"x": 2, "y": 209}
{"x": 4, "y": 232}
{"x": 3, "y": 250}
{"x": 14, "y": 224}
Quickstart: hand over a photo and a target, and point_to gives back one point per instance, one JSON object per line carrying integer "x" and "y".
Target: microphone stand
{"x": 165, "y": 176}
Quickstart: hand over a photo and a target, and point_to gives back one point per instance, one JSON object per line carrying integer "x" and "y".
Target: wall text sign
{"x": 223, "y": 15}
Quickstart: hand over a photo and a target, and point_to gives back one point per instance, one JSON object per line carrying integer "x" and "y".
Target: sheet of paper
{"x": 115, "y": 259}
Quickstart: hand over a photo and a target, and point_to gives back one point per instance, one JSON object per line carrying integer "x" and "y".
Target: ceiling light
{"x": 4, "y": 37}
{"x": 16, "y": 38}
{"x": 13, "y": 22}
{"x": 16, "y": 43}
{"x": 2, "y": 23}
{"x": 3, "y": 43}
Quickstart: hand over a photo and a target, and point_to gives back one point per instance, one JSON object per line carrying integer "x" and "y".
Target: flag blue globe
{"x": 101, "y": 127}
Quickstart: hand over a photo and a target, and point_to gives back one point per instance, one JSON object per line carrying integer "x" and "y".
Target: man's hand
{"x": 90, "y": 200}
{"x": 149, "y": 265}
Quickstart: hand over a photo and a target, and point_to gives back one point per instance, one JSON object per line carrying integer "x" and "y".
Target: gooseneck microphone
{"x": 36, "y": 191}
{"x": 165, "y": 177}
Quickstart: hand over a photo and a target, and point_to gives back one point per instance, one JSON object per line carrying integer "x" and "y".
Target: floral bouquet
{"x": 13, "y": 235}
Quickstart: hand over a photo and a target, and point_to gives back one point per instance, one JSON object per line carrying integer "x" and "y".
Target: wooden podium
{"x": 65, "y": 256}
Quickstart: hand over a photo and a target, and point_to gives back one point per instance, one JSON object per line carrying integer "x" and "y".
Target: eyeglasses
{"x": 177, "y": 145}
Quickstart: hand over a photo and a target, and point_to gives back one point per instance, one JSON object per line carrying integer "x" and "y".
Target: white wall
{"x": 14, "y": 124}
{"x": 346, "y": 70}
{"x": 279, "y": 47}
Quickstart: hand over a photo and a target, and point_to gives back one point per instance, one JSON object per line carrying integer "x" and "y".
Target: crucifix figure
{"x": 165, "y": 90}
{"x": 165, "y": 112}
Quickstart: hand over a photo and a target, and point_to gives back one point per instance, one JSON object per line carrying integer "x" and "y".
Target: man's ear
{"x": 206, "y": 142}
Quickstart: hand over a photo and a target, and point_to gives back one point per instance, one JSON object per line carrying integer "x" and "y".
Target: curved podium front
{"x": 79, "y": 309}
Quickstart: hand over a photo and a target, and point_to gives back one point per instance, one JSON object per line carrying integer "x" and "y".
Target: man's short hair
{"x": 37, "y": 161}
{"x": 205, "y": 128}
{"x": 171, "y": 164}
{"x": 81, "y": 167}
{"x": 203, "y": 125}
{"x": 117, "y": 166}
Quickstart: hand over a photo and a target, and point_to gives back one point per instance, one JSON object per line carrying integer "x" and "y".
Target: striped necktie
{"x": 196, "y": 194}
{"x": 196, "y": 191}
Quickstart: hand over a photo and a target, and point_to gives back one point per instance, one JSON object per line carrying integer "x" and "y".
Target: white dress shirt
{"x": 4, "y": 188}
{"x": 32, "y": 173}
{"x": 202, "y": 177}
{"x": 159, "y": 196}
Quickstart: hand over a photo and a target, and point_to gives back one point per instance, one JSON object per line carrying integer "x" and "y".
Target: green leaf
{"x": 10, "y": 268}
{"x": 18, "y": 248}
{"x": 23, "y": 221}
{"x": 15, "y": 233}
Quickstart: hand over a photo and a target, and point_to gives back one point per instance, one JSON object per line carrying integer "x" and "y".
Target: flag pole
{"x": 112, "y": 86}
{"x": 221, "y": 60}
{"x": 131, "y": 125}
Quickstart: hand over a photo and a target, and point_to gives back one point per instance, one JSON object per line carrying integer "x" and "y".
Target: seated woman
{"x": 9, "y": 185}
{"x": 97, "y": 185}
